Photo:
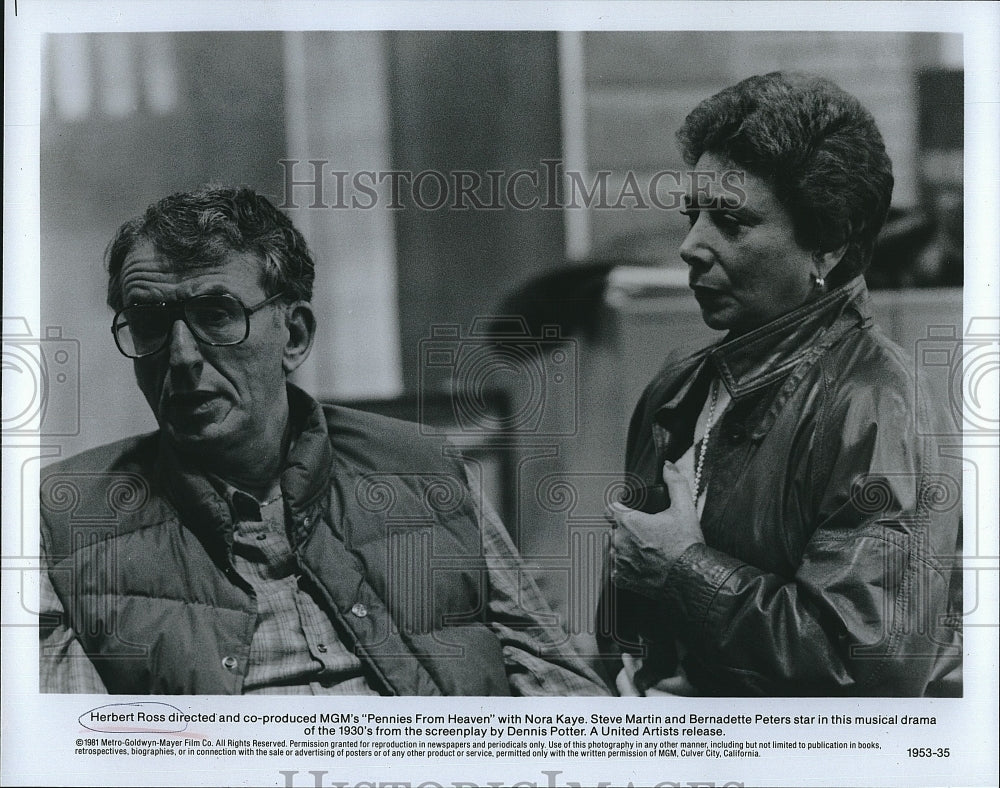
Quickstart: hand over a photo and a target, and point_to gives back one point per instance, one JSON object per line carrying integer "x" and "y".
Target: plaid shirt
{"x": 295, "y": 648}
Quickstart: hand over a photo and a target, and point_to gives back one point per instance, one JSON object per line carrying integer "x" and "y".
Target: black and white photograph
{"x": 536, "y": 395}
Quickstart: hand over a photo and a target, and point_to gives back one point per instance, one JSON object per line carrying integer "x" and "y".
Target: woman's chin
{"x": 731, "y": 318}
{"x": 718, "y": 319}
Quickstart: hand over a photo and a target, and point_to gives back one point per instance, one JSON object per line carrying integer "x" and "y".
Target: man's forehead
{"x": 148, "y": 268}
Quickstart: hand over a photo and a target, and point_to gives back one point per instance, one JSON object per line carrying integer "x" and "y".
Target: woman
{"x": 803, "y": 551}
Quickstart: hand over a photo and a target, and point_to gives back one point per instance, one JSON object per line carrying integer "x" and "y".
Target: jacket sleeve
{"x": 538, "y": 655}
{"x": 864, "y": 613}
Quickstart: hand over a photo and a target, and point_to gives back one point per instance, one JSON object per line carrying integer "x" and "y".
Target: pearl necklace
{"x": 704, "y": 442}
{"x": 269, "y": 501}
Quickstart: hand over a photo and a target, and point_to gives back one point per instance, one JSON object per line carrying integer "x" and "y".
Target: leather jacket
{"x": 832, "y": 526}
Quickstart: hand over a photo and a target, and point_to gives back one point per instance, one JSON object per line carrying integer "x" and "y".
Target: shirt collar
{"x": 243, "y": 505}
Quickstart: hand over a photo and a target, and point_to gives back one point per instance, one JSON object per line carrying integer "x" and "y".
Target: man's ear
{"x": 301, "y": 323}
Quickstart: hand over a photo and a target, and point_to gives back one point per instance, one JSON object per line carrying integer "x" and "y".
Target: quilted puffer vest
{"x": 380, "y": 519}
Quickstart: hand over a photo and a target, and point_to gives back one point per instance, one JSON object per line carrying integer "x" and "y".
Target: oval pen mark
{"x": 142, "y": 717}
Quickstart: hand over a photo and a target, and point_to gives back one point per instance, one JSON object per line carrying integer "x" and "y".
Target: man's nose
{"x": 182, "y": 346}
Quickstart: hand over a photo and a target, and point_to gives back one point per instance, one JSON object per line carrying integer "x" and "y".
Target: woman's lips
{"x": 708, "y": 294}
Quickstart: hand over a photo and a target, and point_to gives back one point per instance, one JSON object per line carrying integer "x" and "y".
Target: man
{"x": 252, "y": 547}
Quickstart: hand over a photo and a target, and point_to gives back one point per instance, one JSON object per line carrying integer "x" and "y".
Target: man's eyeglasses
{"x": 214, "y": 319}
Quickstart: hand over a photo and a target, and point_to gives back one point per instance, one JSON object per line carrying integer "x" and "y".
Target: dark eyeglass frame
{"x": 177, "y": 310}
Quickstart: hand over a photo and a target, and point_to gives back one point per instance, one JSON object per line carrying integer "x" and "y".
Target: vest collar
{"x": 304, "y": 479}
{"x": 306, "y": 476}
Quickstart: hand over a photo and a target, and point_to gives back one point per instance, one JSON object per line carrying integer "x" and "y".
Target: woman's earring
{"x": 819, "y": 281}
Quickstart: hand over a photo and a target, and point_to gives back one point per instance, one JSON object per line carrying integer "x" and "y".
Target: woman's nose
{"x": 695, "y": 249}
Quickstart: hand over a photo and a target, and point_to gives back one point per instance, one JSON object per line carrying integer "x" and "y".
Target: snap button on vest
{"x": 230, "y": 663}
{"x": 359, "y": 610}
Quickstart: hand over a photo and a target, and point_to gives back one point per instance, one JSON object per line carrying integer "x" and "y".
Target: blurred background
{"x": 599, "y": 291}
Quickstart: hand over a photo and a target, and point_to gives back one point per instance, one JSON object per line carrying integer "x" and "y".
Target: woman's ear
{"x": 825, "y": 262}
{"x": 301, "y": 323}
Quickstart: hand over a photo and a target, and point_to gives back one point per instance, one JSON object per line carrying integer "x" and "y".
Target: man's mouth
{"x": 190, "y": 401}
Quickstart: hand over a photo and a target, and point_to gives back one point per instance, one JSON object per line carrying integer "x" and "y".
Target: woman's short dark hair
{"x": 203, "y": 226}
{"x": 817, "y": 148}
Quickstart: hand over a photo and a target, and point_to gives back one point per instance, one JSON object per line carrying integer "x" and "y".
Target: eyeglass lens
{"x": 214, "y": 319}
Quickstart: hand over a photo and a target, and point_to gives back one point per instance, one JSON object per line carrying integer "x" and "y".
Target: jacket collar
{"x": 755, "y": 360}
{"x": 751, "y": 361}
{"x": 304, "y": 479}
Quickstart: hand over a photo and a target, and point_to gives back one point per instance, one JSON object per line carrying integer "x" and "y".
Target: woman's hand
{"x": 676, "y": 685}
{"x": 645, "y": 546}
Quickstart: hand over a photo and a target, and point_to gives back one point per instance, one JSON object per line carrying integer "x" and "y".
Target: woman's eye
{"x": 726, "y": 222}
